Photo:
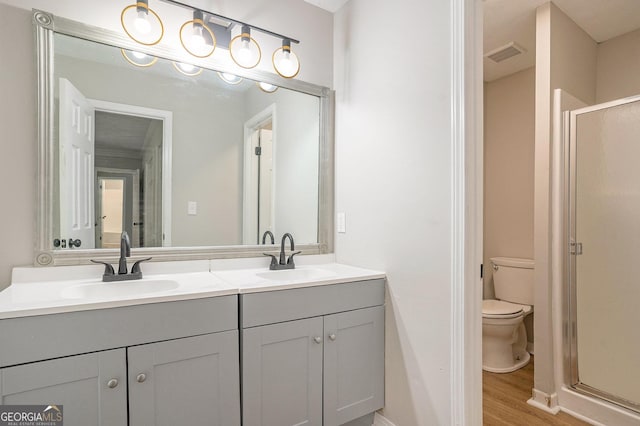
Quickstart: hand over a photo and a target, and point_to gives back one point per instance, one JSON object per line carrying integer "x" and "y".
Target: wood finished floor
{"x": 505, "y": 398}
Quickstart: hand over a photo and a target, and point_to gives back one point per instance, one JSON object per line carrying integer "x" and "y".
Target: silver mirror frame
{"x": 45, "y": 25}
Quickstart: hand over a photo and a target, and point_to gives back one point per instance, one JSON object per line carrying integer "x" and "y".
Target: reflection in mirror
{"x": 176, "y": 155}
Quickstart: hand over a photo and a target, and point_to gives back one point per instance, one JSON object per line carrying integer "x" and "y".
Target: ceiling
{"x": 120, "y": 131}
{"x": 515, "y": 20}
{"x": 330, "y": 5}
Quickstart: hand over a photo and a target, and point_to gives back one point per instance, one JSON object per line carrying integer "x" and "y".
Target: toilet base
{"x": 524, "y": 360}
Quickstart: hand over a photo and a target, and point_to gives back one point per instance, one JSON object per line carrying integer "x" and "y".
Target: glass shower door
{"x": 605, "y": 250}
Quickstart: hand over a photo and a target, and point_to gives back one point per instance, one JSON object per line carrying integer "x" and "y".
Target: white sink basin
{"x": 306, "y": 274}
{"x": 118, "y": 289}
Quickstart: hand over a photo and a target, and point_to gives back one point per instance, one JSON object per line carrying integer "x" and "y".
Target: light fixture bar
{"x": 262, "y": 30}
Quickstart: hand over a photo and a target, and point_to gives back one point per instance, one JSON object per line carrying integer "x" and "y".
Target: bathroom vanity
{"x": 307, "y": 347}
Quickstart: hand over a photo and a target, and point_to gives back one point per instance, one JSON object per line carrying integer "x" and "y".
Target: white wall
{"x": 393, "y": 81}
{"x": 17, "y": 141}
{"x": 565, "y": 59}
{"x": 509, "y": 140}
{"x": 18, "y": 161}
{"x": 618, "y": 72}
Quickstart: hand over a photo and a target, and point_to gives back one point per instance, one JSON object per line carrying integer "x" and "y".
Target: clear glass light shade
{"x": 142, "y": 24}
{"x": 197, "y": 38}
{"x": 286, "y": 63}
{"x": 266, "y": 87}
{"x": 138, "y": 59}
{"x": 229, "y": 78}
{"x": 244, "y": 50}
{"x": 187, "y": 69}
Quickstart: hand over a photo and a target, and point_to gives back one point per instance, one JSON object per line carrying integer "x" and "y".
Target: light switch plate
{"x": 192, "y": 208}
{"x": 341, "y": 224}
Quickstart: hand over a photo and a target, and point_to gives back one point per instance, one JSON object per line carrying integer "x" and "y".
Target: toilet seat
{"x": 496, "y": 309}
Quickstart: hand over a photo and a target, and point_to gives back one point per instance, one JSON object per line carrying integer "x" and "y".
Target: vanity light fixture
{"x": 200, "y": 36}
{"x": 229, "y": 78}
{"x": 266, "y": 87}
{"x": 244, "y": 50}
{"x": 187, "y": 69}
{"x": 285, "y": 62}
{"x": 138, "y": 59}
{"x": 142, "y": 23}
{"x": 196, "y": 37}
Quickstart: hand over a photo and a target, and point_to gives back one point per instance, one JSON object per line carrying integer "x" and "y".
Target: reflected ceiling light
{"x": 187, "y": 69}
{"x": 267, "y": 87}
{"x": 230, "y": 78}
{"x": 285, "y": 62}
{"x": 142, "y": 23}
{"x": 138, "y": 59}
{"x": 244, "y": 50}
{"x": 196, "y": 37}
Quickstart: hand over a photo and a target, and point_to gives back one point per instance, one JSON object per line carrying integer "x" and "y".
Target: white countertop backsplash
{"x": 42, "y": 290}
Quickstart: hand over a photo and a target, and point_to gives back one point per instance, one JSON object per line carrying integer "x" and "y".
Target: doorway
{"x": 259, "y": 176}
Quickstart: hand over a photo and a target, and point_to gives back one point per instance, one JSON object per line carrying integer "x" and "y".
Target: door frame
{"x": 125, "y": 174}
{"x": 251, "y": 125}
{"x": 167, "y": 143}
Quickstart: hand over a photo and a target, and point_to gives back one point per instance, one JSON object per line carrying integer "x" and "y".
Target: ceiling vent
{"x": 505, "y": 52}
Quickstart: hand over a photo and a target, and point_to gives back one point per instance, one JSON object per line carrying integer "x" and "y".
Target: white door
{"x": 76, "y": 165}
{"x": 265, "y": 195}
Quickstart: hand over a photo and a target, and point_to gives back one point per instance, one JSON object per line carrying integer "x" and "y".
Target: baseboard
{"x": 380, "y": 420}
{"x": 544, "y": 401}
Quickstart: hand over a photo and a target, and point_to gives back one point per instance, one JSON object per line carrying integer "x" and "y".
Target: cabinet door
{"x": 91, "y": 388}
{"x": 190, "y": 381}
{"x": 282, "y": 374}
{"x": 353, "y": 364}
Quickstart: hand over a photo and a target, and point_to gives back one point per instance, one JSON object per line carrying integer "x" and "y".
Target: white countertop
{"x": 41, "y": 291}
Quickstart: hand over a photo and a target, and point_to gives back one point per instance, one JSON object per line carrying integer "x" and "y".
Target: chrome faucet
{"x": 283, "y": 262}
{"x": 125, "y": 251}
{"x": 123, "y": 274}
{"x": 264, "y": 237}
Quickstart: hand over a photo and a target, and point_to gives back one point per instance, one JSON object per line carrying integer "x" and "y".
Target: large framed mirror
{"x": 193, "y": 158}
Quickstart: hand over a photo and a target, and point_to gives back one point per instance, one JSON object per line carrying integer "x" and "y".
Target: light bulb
{"x": 269, "y": 88}
{"x": 230, "y": 78}
{"x": 142, "y": 24}
{"x": 244, "y": 53}
{"x": 186, "y": 67}
{"x": 197, "y": 40}
{"x": 286, "y": 65}
{"x": 138, "y": 55}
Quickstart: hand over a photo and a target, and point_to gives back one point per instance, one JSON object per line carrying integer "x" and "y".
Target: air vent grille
{"x": 505, "y": 52}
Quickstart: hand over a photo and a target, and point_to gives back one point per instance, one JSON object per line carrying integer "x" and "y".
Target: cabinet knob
{"x": 141, "y": 377}
{"x": 317, "y": 339}
{"x": 112, "y": 383}
{"x": 332, "y": 336}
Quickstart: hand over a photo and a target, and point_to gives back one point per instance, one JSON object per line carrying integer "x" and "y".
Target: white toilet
{"x": 504, "y": 338}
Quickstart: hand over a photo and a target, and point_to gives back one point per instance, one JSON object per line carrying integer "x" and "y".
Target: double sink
{"x": 40, "y": 291}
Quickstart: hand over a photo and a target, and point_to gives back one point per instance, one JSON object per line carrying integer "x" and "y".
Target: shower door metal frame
{"x": 570, "y": 322}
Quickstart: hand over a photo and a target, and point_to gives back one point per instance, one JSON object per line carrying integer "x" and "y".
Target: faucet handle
{"x": 108, "y": 269}
{"x": 136, "y": 266}
{"x": 290, "y": 260}
{"x": 274, "y": 259}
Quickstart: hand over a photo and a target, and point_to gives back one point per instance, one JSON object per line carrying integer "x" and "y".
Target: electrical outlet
{"x": 192, "y": 208}
{"x": 341, "y": 224}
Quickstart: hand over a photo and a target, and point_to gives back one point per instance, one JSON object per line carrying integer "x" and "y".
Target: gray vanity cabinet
{"x": 172, "y": 363}
{"x": 190, "y": 381}
{"x": 91, "y": 388}
{"x": 318, "y": 360}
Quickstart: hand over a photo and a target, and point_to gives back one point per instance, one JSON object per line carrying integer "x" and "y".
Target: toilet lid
{"x": 499, "y": 307}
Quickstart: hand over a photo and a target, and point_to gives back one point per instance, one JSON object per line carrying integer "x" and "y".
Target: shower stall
{"x": 602, "y": 256}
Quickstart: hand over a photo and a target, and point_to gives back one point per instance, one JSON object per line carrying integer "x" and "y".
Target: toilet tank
{"x": 513, "y": 279}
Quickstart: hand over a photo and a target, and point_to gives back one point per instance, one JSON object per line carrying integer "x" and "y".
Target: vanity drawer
{"x": 43, "y": 337}
{"x": 286, "y": 305}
